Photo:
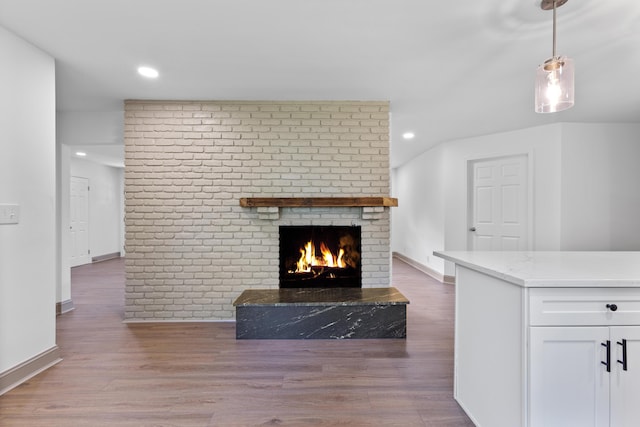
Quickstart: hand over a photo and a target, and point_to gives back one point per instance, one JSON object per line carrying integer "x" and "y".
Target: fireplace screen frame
{"x": 292, "y": 239}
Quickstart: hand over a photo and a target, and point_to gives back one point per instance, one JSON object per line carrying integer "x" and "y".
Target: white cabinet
{"x": 530, "y": 356}
{"x": 568, "y": 384}
{"x": 578, "y": 376}
{"x": 583, "y": 375}
{"x": 625, "y": 384}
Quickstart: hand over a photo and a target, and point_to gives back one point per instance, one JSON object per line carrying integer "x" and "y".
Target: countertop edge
{"x": 488, "y": 271}
{"x": 546, "y": 282}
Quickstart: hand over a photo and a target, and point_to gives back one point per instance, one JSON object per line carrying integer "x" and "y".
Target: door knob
{"x": 472, "y": 229}
{"x": 612, "y": 307}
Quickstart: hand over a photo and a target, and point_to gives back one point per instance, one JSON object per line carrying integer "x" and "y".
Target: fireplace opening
{"x": 320, "y": 257}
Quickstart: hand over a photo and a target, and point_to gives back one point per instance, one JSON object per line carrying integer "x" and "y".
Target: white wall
{"x": 27, "y": 177}
{"x": 600, "y": 187}
{"x": 583, "y": 181}
{"x": 105, "y": 205}
{"x": 432, "y": 211}
{"x": 418, "y": 226}
{"x": 91, "y": 128}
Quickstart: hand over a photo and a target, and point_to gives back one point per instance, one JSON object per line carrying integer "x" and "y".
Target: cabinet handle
{"x": 608, "y": 362}
{"x": 612, "y": 307}
{"x": 624, "y": 354}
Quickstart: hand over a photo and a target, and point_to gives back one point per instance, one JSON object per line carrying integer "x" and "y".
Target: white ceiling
{"x": 450, "y": 69}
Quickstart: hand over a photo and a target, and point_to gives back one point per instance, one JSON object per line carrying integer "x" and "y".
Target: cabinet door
{"x": 569, "y": 386}
{"x": 625, "y": 385}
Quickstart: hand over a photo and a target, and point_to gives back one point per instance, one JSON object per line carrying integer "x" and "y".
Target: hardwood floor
{"x": 197, "y": 374}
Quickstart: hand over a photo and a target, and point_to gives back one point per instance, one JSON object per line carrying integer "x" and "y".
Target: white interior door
{"x": 79, "y": 221}
{"x": 498, "y": 204}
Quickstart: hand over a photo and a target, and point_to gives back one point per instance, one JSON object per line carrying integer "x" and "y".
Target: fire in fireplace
{"x": 320, "y": 257}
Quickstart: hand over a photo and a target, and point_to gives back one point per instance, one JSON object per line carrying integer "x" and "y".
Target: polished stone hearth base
{"x": 321, "y": 313}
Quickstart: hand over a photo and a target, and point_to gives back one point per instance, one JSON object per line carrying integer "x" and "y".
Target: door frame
{"x": 530, "y": 186}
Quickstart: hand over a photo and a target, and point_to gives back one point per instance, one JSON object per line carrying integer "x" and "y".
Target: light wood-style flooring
{"x": 198, "y": 374}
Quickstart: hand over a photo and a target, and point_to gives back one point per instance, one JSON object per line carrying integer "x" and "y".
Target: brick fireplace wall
{"x": 191, "y": 248}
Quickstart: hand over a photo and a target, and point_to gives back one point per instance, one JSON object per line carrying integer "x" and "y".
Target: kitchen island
{"x": 547, "y": 338}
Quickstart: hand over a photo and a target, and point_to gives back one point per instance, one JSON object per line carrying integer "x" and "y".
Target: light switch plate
{"x": 9, "y": 214}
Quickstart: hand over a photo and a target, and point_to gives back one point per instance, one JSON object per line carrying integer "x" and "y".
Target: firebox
{"x": 320, "y": 257}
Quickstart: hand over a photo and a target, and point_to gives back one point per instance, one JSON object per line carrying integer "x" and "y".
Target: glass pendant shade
{"x": 554, "y": 79}
{"x": 554, "y": 85}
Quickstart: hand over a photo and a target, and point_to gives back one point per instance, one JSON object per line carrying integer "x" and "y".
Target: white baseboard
{"x": 450, "y": 280}
{"x": 15, "y": 376}
{"x": 64, "y": 307}
{"x": 105, "y": 257}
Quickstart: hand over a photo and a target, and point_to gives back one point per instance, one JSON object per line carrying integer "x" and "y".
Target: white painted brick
{"x": 188, "y": 163}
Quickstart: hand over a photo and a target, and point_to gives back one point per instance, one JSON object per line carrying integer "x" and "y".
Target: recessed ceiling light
{"x": 408, "y": 135}
{"x": 148, "y": 72}
{"x": 81, "y": 153}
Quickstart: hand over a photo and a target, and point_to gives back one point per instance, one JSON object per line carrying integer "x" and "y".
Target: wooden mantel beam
{"x": 304, "y": 202}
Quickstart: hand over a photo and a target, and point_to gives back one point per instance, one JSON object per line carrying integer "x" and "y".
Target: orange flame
{"x": 309, "y": 259}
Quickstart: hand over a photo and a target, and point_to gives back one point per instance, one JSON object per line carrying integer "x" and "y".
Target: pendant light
{"x": 554, "y": 78}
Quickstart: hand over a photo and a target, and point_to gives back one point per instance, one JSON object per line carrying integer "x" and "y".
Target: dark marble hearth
{"x": 321, "y": 313}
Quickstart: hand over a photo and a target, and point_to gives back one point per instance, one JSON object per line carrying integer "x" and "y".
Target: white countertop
{"x": 553, "y": 269}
